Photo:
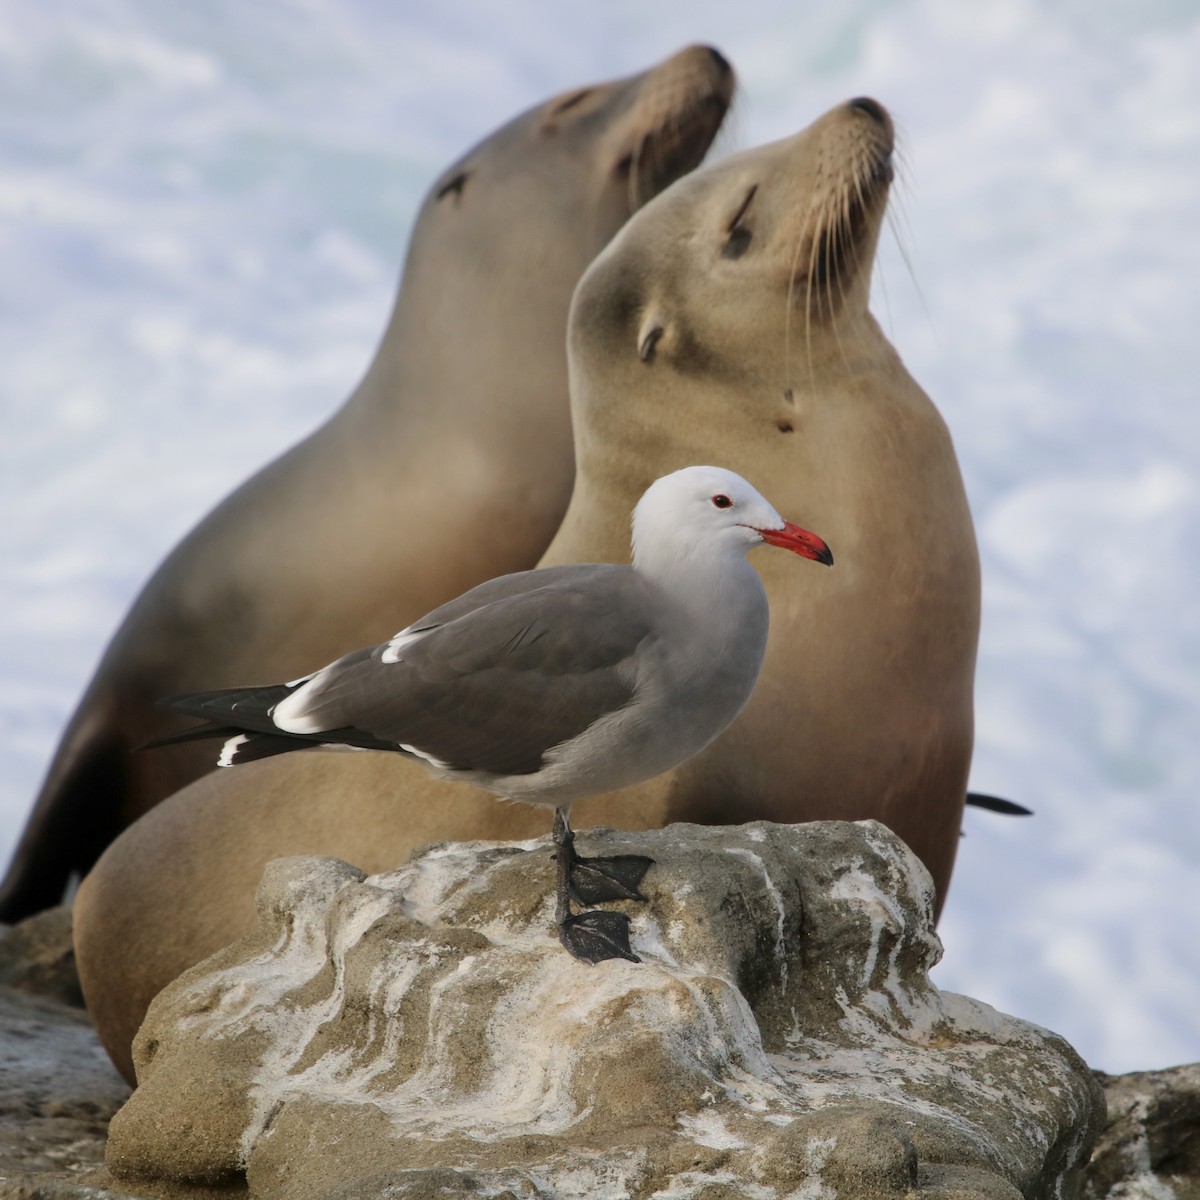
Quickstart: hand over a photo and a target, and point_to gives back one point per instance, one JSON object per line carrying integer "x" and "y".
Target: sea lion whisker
{"x": 836, "y": 238}
{"x": 898, "y": 233}
{"x": 787, "y": 327}
{"x": 861, "y": 192}
{"x": 887, "y": 300}
{"x": 843, "y": 224}
{"x": 909, "y": 267}
{"x": 846, "y": 261}
{"x": 787, "y": 315}
{"x": 790, "y": 306}
{"x": 808, "y": 306}
{"x": 851, "y": 245}
{"x": 824, "y": 268}
{"x": 840, "y": 228}
{"x": 896, "y": 215}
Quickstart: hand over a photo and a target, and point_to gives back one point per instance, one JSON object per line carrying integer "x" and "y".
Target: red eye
{"x": 722, "y": 501}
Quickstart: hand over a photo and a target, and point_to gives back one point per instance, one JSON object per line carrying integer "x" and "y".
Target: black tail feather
{"x": 233, "y": 713}
{"x": 246, "y": 713}
{"x": 245, "y": 709}
{"x": 254, "y": 746}
{"x": 193, "y": 733}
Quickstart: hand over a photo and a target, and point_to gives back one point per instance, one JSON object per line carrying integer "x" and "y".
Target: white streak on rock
{"x": 781, "y": 956}
{"x": 709, "y": 1129}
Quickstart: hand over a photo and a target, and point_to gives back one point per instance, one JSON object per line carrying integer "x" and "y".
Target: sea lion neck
{"x": 579, "y": 164}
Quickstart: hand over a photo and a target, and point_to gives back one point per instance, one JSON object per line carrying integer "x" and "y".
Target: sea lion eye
{"x": 739, "y": 237}
{"x": 737, "y": 243}
{"x": 649, "y": 342}
{"x": 570, "y": 101}
{"x": 453, "y": 187}
{"x": 722, "y": 501}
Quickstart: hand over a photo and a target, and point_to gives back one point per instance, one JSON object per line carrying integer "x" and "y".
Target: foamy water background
{"x": 203, "y": 210}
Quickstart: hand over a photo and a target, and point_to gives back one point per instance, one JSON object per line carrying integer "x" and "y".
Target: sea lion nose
{"x": 872, "y": 108}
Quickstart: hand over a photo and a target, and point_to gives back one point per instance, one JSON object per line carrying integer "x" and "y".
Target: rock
{"x": 57, "y": 1092}
{"x": 422, "y": 1034}
{"x": 1151, "y": 1144}
{"x": 37, "y": 955}
{"x": 58, "y": 1089}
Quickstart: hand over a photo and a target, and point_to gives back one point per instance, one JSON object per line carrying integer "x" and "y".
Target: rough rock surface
{"x": 38, "y": 956}
{"x": 57, "y": 1093}
{"x": 1151, "y": 1145}
{"x": 422, "y": 1033}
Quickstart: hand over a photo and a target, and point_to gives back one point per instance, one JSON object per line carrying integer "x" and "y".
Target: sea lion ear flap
{"x": 650, "y": 332}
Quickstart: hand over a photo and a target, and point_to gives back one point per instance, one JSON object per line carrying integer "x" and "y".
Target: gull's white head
{"x": 714, "y": 512}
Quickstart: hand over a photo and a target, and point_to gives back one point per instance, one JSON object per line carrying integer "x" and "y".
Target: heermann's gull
{"x": 548, "y": 686}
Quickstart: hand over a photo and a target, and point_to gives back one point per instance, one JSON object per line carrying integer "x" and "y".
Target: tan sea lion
{"x": 322, "y": 550}
{"x": 726, "y": 323}
{"x": 748, "y": 333}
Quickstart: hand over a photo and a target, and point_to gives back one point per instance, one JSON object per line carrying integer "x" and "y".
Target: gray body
{"x": 549, "y": 686}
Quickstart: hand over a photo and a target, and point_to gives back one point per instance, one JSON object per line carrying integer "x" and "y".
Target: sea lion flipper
{"x": 74, "y": 818}
{"x": 997, "y": 804}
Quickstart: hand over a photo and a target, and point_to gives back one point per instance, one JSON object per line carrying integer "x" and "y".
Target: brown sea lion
{"x": 726, "y": 323}
{"x": 333, "y": 543}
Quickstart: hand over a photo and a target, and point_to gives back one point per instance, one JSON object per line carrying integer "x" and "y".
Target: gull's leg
{"x": 564, "y": 858}
{"x": 591, "y": 936}
{"x": 595, "y": 880}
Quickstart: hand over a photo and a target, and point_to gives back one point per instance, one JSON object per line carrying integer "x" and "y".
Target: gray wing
{"x": 503, "y": 586}
{"x": 498, "y": 686}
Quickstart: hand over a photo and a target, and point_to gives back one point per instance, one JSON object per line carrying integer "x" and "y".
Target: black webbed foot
{"x": 597, "y": 935}
{"x": 595, "y": 880}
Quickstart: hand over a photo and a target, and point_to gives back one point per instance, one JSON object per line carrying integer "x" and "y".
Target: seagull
{"x": 550, "y": 685}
